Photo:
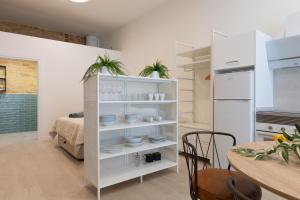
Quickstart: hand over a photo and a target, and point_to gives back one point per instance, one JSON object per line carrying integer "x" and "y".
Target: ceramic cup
{"x": 162, "y": 96}
{"x": 158, "y": 118}
{"x": 150, "y": 96}
{"x": 148, "y": 119}
{"x": 156, "y": 97}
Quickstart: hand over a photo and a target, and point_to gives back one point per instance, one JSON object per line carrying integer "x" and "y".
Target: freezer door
{"x": 235, "y": 117}
{"x": 235, "y": 85}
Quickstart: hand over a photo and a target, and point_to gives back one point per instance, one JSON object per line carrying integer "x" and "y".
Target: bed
{"x": 68, "y": 134}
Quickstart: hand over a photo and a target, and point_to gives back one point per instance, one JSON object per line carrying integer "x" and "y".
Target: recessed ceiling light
{"x": 79, "y": 1}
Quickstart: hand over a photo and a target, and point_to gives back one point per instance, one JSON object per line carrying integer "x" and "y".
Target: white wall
{"x": 287, "y": 89}
{"x": 61, "y": 66}
{"x": 292, "y": 25}
{"x": 153, "y": 35}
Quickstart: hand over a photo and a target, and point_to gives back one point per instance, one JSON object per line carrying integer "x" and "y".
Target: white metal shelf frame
{"x": 93, "y": 106}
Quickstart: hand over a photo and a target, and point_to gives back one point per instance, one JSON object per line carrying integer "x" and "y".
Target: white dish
{"x": 135, "y": 144}
{"x": 108, "y": 123}
{"x": 148, "y": 119}
{"x": 134, "y": 140}
{"x": 108, "y": 117}
{"x": 159, "y": 137}
{"x": 112, "y": 149}
{"x": 131, "y": 121}
{"x": 157, "y": 141}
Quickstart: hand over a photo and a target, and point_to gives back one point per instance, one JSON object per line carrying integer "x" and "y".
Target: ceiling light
{"x": 79, "y": 1}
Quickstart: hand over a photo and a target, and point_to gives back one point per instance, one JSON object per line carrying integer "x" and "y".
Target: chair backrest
{"x": 237, "y": 195}
{"x": 193, "y": 146}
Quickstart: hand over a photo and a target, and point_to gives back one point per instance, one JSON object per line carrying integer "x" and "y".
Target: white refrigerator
{"x": 234, "y": 110}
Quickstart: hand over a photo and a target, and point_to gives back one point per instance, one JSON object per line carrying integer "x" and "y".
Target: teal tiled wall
{"x": 18, "y": 113}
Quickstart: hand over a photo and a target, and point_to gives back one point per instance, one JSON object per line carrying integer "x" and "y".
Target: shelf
{"x": 196, "y": 64}
{"x": 105, "y": 169}
{"x": 138, "y": 102}
{"x": 113, "y": 176}
{"x": 199, "y": 126}
{"x": 121, "y": 126}
{"x": 128, "y": 150}
{"x": 198, "y": 52}
{"x": 134, "y": 78}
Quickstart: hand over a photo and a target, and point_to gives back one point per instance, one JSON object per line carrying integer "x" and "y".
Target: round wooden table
{"x": 273, "y": 174}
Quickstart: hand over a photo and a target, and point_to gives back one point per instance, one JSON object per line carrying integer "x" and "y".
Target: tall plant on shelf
{"x": 156, "y": 70}
{"x": 286, "y": 143}
{"x": 105, "y": 65}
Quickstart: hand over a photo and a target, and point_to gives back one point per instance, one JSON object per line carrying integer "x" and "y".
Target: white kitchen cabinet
{"x": 234, "y": 52}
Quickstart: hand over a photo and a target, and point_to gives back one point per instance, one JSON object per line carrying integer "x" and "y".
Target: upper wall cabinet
{"x": 234, "y": 52}
{"x": 284, "y": 52}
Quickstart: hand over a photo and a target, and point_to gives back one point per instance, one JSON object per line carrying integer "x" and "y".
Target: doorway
{"x": 18, "y": 96}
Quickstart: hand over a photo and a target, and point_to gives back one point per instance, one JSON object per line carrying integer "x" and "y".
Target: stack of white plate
{"x": 116, "y": 148}
{"x": 131, "y": 118}
{"x": 157, "y": 139}
{"x": 134, "y": 141}
{"x": 107, "y": 120}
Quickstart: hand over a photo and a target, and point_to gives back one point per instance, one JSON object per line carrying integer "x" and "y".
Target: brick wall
{"x": 40, "y": 32}
{"x": 21, "y": 76}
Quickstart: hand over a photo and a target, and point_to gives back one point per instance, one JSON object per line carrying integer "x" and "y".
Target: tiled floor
{"x": 36, "y": 170}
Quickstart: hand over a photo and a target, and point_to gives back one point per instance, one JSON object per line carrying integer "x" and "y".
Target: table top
{"x": 273, "y": 173}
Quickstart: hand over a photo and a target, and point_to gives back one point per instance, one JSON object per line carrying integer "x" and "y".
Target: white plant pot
{"x": 104, "y": 70}
{"x": 154, "y": 74}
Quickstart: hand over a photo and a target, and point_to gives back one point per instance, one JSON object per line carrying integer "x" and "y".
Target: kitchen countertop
{"x": 278, "y": 117}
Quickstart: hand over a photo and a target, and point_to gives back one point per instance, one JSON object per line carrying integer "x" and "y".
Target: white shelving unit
{"x": 105, "y": 169}
{"x": 197, "y": 62}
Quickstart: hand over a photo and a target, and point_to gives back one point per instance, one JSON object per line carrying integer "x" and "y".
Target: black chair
{"x": 237, "y": 194}
{"x": 210, "y": 183}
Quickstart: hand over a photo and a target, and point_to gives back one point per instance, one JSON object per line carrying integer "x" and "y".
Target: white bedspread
{"x": 69, "y": 128}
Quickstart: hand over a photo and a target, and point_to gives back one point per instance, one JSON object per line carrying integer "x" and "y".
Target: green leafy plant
{"x": 285, "y": 143}
{"x": 157, "y": 66}
{"x": 114, "y": 67}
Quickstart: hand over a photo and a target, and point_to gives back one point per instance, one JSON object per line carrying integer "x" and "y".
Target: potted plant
{"x": 104, "y": 65}
{"x": 156, "y": 70}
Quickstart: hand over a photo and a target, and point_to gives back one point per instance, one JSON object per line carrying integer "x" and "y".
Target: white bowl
{"x": 148, "y": 119}
{"x": 107, "y": 123}
{"x": 134, "y": 139}
{"x": 135, "y": 144}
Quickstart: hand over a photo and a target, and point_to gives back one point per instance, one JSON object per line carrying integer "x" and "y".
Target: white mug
{"x": 162, "y": 96}
{"x": 150, "y": 96}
